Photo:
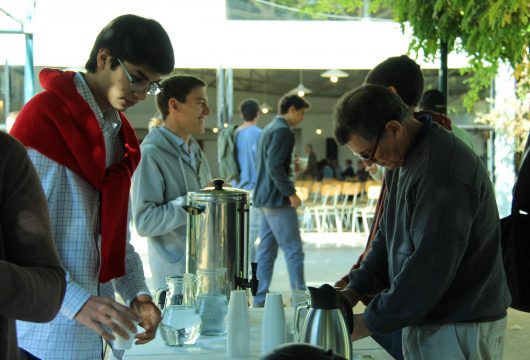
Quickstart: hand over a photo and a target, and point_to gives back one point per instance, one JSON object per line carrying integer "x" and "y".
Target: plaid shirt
{"x": 74, "y": 210}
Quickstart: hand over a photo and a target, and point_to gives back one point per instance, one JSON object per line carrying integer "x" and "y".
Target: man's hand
{"x": 341, "y": 284}
{"x": 100, "y": 312}
{"x": 150, "y": 317}
{"x": 351, "y": 295}
{"x": 372, "y": 168}
{"x": 360, "y": 330}
{"x": 295, "y": 201}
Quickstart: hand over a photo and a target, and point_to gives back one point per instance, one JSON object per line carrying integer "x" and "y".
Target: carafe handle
{"x": 299, "y": 307}
{"x": 160, "y": 297}
{"x": 348, "y": 312}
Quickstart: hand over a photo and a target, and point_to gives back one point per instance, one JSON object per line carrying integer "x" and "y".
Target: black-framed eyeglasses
{"x": 371, "y": 155}
{"x": 141, "y": 86}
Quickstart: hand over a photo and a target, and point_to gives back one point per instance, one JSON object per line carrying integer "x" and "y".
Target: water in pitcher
{"x": 181, "y": 325}
{"x": 213, "y": 310}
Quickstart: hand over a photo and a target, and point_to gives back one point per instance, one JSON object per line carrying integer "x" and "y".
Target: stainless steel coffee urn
{"x": 217, "y": 234}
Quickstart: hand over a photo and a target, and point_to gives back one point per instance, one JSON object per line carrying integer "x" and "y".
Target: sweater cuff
{"x": 129, "y": 301}
{"x": 74, "y": 298}
{"x": 377, "y": 322}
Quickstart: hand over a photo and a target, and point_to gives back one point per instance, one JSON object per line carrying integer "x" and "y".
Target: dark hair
{"x": 292, "y": 100}
{"x": 178, "y": 87}
{"x": 135, "y": 39}
{"x": 365, "y": 111}
{"x": 433, "y": 100}
{"x": 249, "y": 109}
{"x": 403, "y": 74}
{"x": 294, "y": 351}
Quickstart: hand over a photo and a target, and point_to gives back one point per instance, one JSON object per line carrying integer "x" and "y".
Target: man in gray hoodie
{"x": 172, "y": 164}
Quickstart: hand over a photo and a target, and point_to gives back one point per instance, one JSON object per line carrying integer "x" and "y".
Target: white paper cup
{"x": 273, "y": 306}
{"x": 272, "y": 336}
{"x": 120, "y": 343}
{"x": 273, "y": 323}
{"x": 238, "y": 325}
{"x": 238, "y": 337}
{"x": 238, "y": 305}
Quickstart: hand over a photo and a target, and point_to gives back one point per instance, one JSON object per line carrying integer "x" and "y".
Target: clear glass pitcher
{"x": 212, "y": 300}
{"x": 181, "y": 323}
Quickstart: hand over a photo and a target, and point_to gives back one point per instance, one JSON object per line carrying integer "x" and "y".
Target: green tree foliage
{"x": 489, "y": 31}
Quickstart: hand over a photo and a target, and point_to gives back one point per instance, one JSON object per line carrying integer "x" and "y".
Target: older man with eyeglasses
{"x": 435, "y": 262}
{"x": 85, "y": 152}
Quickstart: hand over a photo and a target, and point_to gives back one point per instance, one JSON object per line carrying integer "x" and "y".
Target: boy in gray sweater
{"x": 172, "y": 165}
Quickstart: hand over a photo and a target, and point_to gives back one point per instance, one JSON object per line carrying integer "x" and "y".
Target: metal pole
{"x": 7, "y": 91}
{"x": 29, "y": 72}
{"x": 229, "y": 95}
{"x": 221, "y": 119}
{"x": 366, "y": 7}
{"x": 442, "y": 73}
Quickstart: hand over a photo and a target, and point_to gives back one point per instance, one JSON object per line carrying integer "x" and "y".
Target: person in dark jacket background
{"x": 311, "y": 170}
{"x": 276, "y": 196}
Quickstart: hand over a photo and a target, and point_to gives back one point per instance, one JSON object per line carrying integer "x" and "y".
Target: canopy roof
{"x": 64, "y": 32}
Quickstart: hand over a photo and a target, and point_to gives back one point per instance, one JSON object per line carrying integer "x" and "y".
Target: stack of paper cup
{"x": 238, "y": 325}
{"x": 273, "y": 323}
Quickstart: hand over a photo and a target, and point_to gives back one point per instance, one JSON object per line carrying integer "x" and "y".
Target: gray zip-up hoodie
{"x": 159, "y": 189}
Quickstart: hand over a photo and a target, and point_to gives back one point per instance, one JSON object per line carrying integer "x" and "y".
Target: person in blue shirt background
{"x": 247, "y": 139}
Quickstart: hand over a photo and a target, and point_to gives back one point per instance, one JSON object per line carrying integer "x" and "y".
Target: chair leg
{"x": 317, "y": 220}
{"x": 338, "y": 220}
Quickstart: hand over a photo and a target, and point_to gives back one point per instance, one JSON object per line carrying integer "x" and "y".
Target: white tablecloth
{"x": 207, "y": 347}
{"x": 214, "y": 347}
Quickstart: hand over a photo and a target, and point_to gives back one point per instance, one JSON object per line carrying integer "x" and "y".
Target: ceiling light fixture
{"x": 300, "y": 90}
{"x": 334, "y": 75}
{"x": 265, "y": 108}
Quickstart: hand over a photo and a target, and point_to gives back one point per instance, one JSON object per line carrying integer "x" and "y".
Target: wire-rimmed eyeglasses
{"x": 371, "y": 156}
{"x": 140, "y": 86}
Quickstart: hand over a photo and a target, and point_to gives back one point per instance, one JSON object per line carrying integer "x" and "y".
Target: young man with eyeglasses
{"x": 435, "y": 262}
{"x": 172, "y": 165}
{"x": 85, "y": 152}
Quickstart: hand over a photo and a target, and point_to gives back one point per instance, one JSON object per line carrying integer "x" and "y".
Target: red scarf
{"x": 436, "y": 117}
{"x": 60, "y": 124}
